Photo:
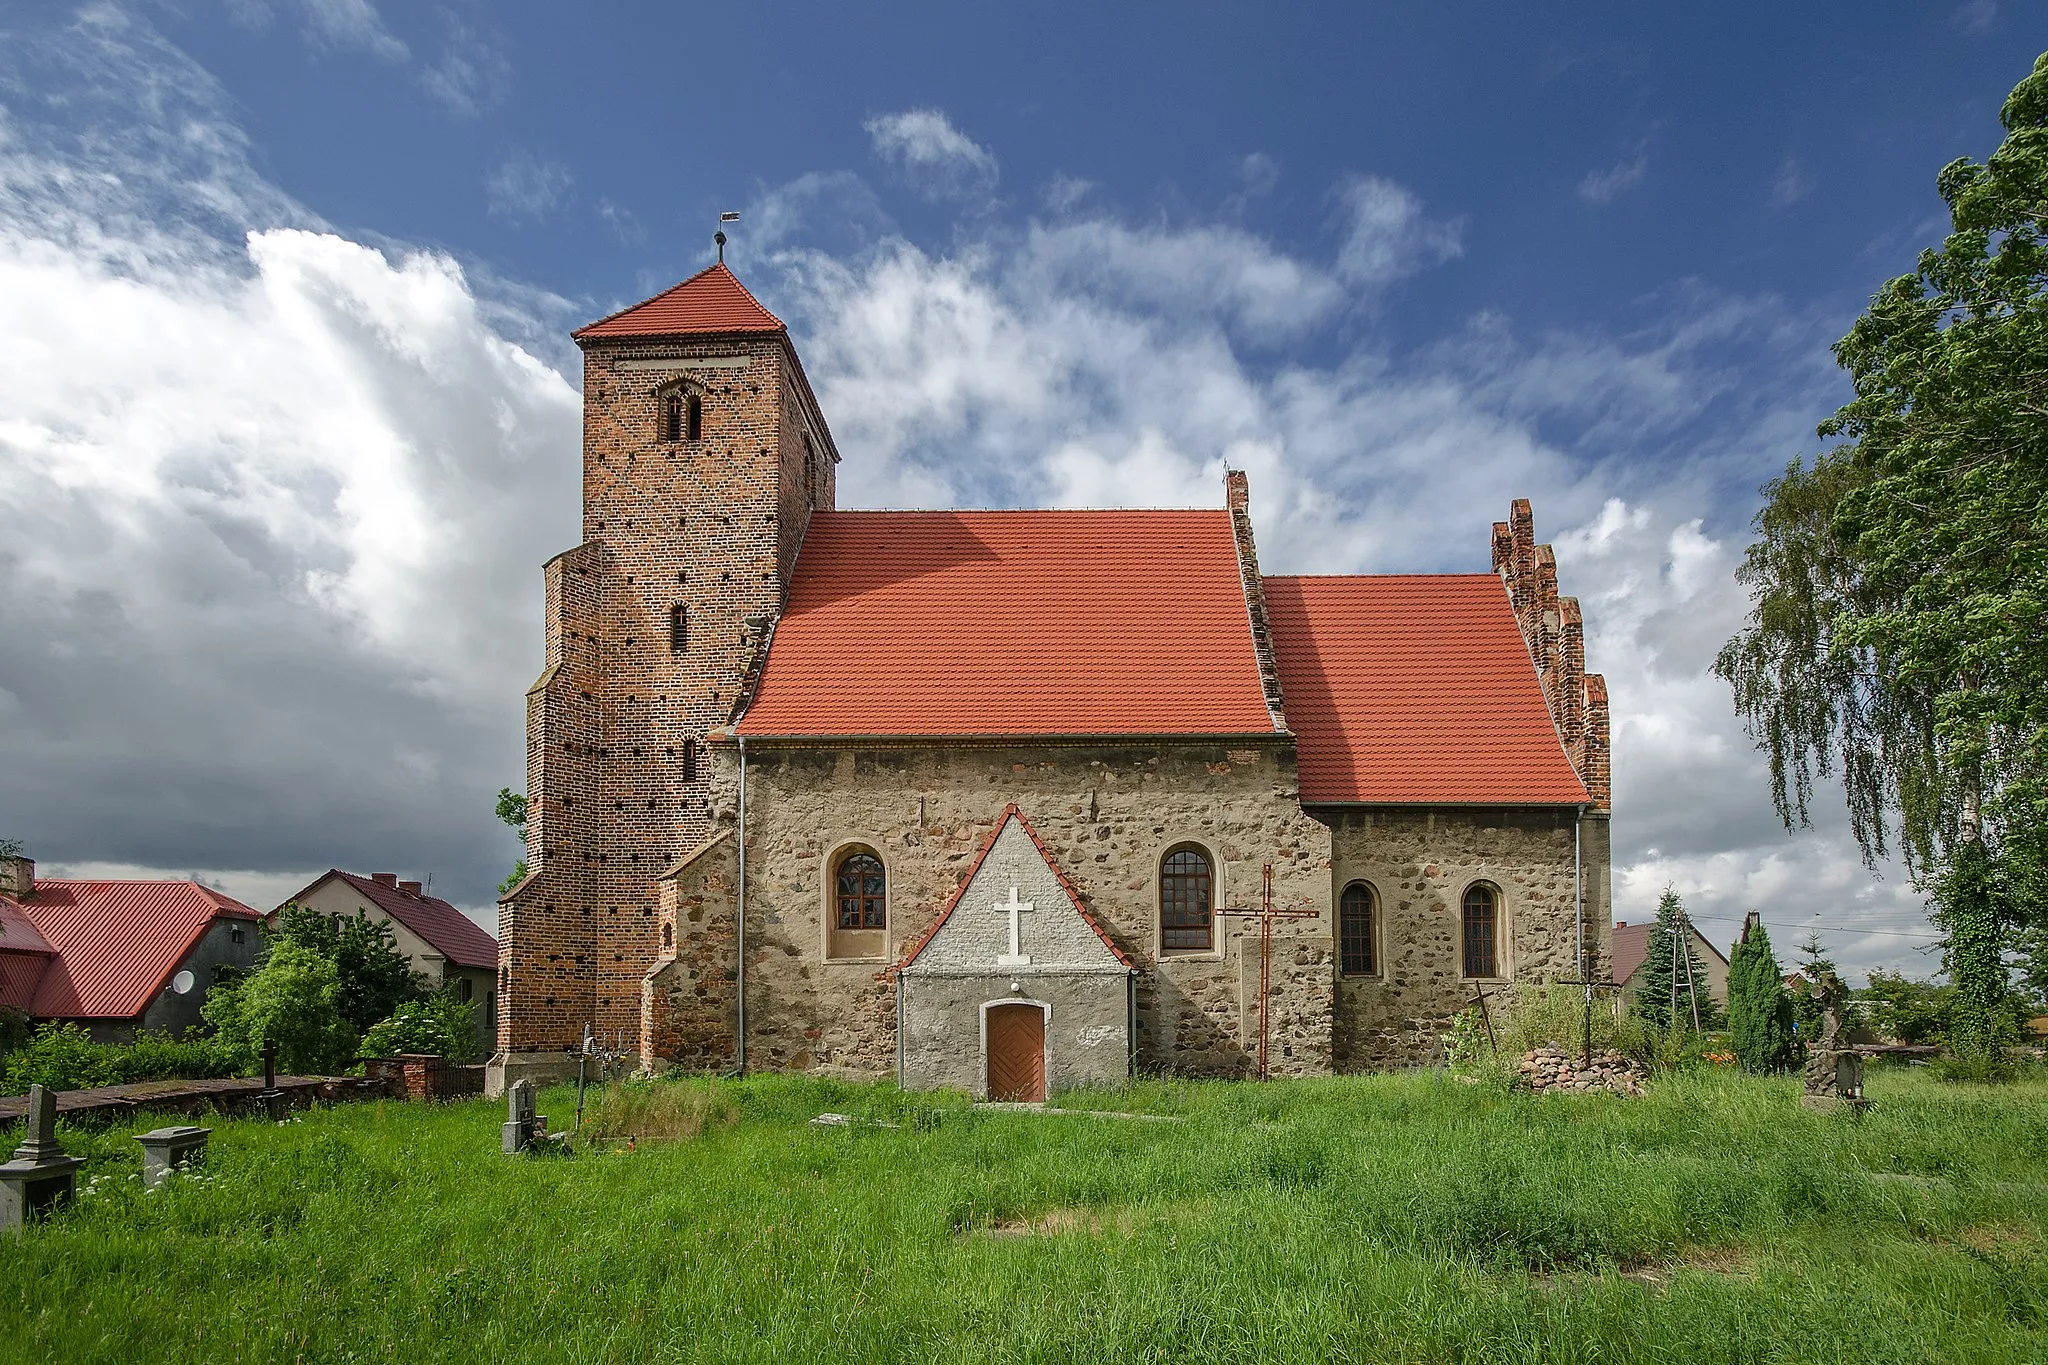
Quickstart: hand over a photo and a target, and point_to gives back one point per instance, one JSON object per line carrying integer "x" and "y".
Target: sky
{"x": 289, "y": 414}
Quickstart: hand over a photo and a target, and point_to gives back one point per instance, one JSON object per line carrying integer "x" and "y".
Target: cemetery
{"x": 779, "y": 1218}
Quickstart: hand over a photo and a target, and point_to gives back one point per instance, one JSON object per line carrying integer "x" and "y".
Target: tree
{"x": 292, "y": 999}
{"x": 1898, "y": 634}
{"x": 442, "y": 1025}
{"x": 1815, "y": 966}
{"x": 1908, "y": 1011}
{"x": 374, "y": 977}
{"x": 512, "y": 810}
{"x": 1759, "y": 1013}
{"x": 1671, "y": 985}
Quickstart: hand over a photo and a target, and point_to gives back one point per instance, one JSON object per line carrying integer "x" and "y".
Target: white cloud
{"x": 528, "y": 186}
{"x": 1386, "y": 237}
{"x": 343, "y": 25}
{"x": 473, "y": 72}
{"x": 1602, "y": 187}
{"x": 939, "y": 158}
{"x": 1790, "y": 184}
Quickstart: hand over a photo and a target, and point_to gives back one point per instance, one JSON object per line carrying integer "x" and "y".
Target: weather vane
{"x": 719, "y": 236}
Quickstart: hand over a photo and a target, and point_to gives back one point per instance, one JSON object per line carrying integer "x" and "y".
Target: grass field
{"x": 1396, "y": 1218}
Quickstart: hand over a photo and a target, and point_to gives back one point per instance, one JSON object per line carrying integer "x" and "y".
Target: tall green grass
{"x": 1395, "y": 1218}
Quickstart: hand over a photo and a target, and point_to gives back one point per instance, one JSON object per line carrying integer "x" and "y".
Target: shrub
{"x": 1759, "y": 1012}
{"x": 373, "y": 977}
{"x": 294, "y": 999}
{"x": 63, "y": 1056}
{"x": 442, "y": 1025}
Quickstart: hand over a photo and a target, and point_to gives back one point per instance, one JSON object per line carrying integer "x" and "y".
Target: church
{"x": 1011, "y": 801}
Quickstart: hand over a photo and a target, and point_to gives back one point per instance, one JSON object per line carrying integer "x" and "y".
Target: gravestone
{"x": 521, "y": 1124}
{"x": 275, "y": 1101}
{"x": 1834, "y": 1070}
{"x": 165, "y": 1149}
{"x": 40, "y": 1177}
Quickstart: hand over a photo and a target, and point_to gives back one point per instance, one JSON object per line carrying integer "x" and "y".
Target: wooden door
{"x": 1016, "y": 1052}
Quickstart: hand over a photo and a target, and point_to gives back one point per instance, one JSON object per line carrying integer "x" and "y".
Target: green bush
{"x": 293, "y": 999}
{"x": 441, "y": 1025}
{"x": 1759, "y": 1012}
{"x": 63, "y": 1056}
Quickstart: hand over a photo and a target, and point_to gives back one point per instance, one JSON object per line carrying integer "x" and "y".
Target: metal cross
{"x": 1016, "y": 957}
{"x": 1265, "y": 914}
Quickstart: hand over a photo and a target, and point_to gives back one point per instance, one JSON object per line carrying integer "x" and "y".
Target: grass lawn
{"x": 1392, "y": 1218}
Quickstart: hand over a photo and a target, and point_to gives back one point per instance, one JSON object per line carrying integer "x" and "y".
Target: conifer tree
{"x": 1664, "y": 981}
{"x": 1759, "y": 1011}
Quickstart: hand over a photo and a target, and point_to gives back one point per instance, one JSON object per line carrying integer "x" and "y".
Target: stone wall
{"x": 1107, "y": 815}
{"x": 1419, "y": 864}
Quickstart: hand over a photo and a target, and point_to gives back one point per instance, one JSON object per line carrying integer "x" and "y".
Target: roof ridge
{"x": 717, "y": 270}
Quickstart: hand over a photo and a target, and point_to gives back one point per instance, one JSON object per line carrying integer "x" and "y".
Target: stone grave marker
{"x": 521, "y": 1123}
{"x": 165, "y": 1149}
{"x": 40, "y": 1177}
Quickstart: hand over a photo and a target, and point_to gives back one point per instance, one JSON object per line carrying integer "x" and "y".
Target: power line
{"x": 1827, "y": 928}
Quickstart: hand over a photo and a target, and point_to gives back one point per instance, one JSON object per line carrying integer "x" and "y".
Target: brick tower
{"x": 704, "y": 455}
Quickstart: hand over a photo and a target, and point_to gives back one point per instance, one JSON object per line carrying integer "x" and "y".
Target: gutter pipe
{"x": 740, "y": 1058}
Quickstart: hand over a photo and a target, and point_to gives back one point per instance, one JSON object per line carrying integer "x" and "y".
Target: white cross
{"x": 1016, "y": 957}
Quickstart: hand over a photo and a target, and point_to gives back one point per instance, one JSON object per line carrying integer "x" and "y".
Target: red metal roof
{"x": 447, "y": 930}
{"x": 24, "y": 957}
{"x": 118, "y": 942}
{"x": 1013, "y": 623}
{"x": 1412, "y": 689}
{"x": 710, "y": 301}
{"x": 1010, "y": 812}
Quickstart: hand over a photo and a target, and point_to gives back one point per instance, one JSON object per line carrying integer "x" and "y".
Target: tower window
{"x": 674, "y": 415}
{"x": 693, "y": 417}
{"x": 678, "y": 628}
{"x": 689, "y": 760}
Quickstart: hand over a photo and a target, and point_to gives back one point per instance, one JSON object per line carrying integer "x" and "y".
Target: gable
{"x": 118, "y": 942}
{"x": 971, "y": 937}
{"x": 1013, "y": 623}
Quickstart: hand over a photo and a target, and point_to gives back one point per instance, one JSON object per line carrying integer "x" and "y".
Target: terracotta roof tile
{"x": 118, "y": 942}
{"x": 1013, "y": 623}
{"x": 1414, "y": 689}
{"x": 709, "y": 302}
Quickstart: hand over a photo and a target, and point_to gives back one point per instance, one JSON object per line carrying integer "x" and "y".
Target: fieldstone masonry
{"x": 656, "y": 629}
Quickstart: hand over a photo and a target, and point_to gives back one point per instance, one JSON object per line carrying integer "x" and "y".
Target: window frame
{"x": 1496, "y": 932}
{"x": 868, "y": 943}
{"x": 1213, "y": 872}
{"x": 1371, "y": 935}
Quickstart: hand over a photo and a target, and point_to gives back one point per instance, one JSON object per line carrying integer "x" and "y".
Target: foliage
{"x": 1759, "y": 1013}
{"x": 640, "y": 1107}
{"x": 1669, "y": 988}
{"x": 15, "y": 1030}
{"x": 441, "y": 1025}
{"x": 1398, "y": 1217}
{"x": 512, "y": 810}
{"x": 375, "y": 978}
{"x": 1900, "y": 580}
{"x": 63, "y": 1056}
{"x": 1815, "y": 966}
{"x": 294, "y": 999}
{"x": 12, "y": 848}
{"x": 1915, "y": 1012}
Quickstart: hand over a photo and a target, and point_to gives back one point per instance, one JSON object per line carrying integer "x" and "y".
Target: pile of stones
{"x": 1552, "y": 1068}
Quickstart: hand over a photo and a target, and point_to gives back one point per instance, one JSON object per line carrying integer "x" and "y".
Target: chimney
{"x": 409, "y": 888}
{"x": 1237, "y": 491}
{"x": 384, "y": 878}
{"x": 18, "y": 877}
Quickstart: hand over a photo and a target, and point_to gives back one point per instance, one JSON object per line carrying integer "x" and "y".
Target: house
{"x": 1632, "y": 943}
{"x": 442, "y": 944}
{"x": 991, "y": 798}
{"x": 116, "y": 956}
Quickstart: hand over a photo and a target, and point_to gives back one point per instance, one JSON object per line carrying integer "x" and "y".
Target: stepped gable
{"x": 1554, "y": 631}
{"x": 710, "y": 302}
{"x": 1414, "y": 690}
{"x": 1070, "y": 623}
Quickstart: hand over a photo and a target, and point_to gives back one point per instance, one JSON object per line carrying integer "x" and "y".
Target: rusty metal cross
{"x": 1265, "y": 914}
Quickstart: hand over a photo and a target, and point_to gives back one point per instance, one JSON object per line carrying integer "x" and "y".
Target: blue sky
{"x": 288, "y": 418}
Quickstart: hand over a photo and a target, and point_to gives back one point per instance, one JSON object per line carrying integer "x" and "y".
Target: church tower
{"x": 704, "y": 455}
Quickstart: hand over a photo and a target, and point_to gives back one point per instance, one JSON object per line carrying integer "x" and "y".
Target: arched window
{"x": 694, "y": 418}
{"x": 674, "y": 414}
{"x": 1186, "y": 906}
{"x": 678, "y": 628}
{"x": 1482, "y": 931}
{"x": 1354, "y": 931}
{"x": 862, "y": 891}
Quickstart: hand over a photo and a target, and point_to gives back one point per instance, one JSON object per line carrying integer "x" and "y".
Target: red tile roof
{"x": 712, "y": 301}
{"x": 1013, "y": 623}
{"x": 1010, "y": 812}
{"x": 447, "y": 930}
{"x": 24, "y": 957}
{"x": 118, "y": 942}
{"x": 1409, "y": 689}
{"x": 1632, "y": 944}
